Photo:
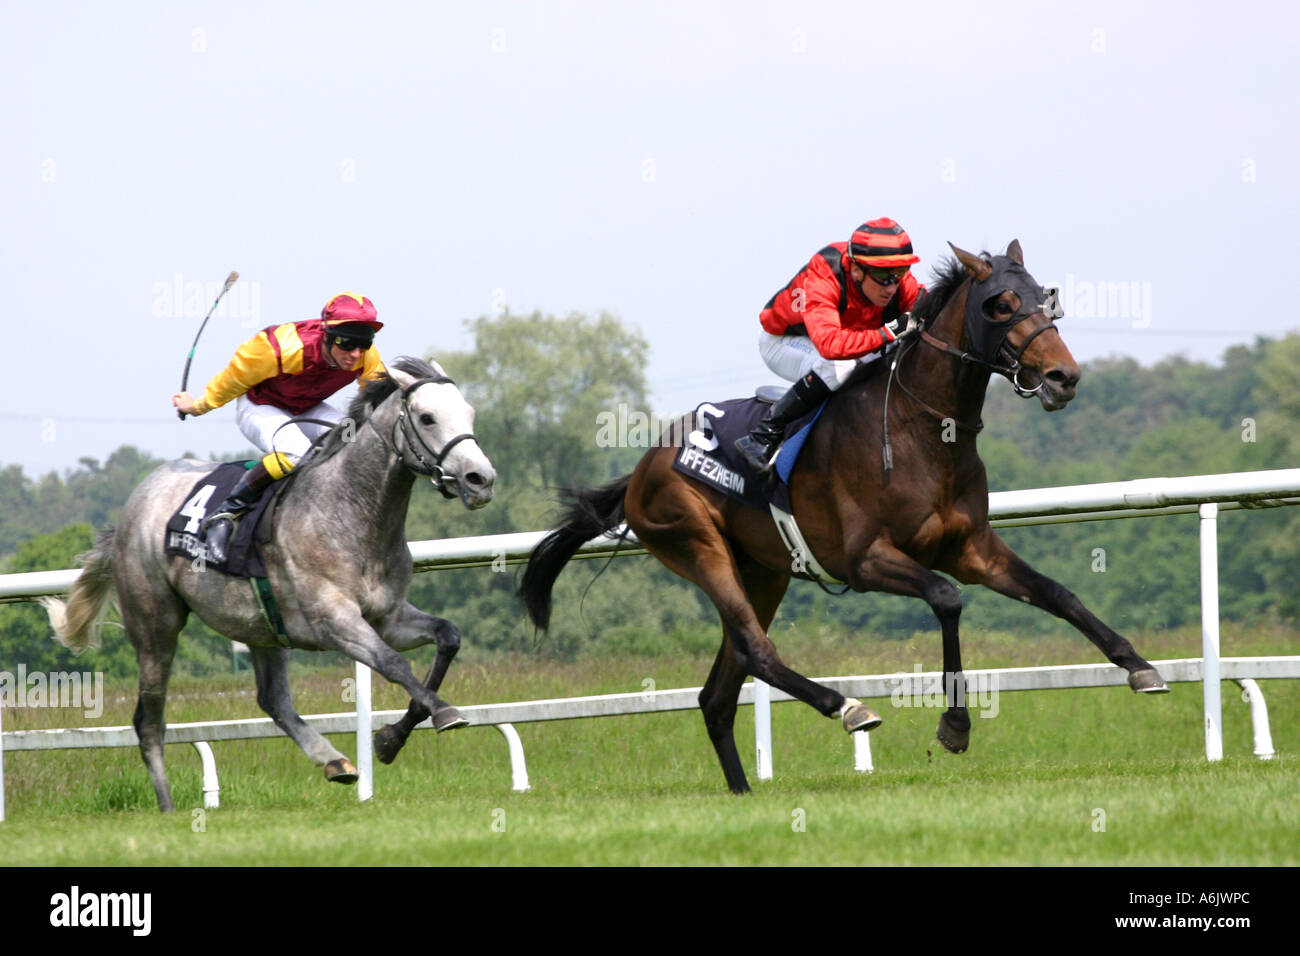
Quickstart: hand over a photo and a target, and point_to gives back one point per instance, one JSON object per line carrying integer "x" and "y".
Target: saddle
{"x": 708, "y": 455}
{"x": 243, "y": 558}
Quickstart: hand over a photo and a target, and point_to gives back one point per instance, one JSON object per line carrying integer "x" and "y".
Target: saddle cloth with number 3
{"x": 182, "y": 535}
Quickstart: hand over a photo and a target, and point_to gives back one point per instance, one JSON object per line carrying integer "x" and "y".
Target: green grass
{"x": 1040, "y": 779}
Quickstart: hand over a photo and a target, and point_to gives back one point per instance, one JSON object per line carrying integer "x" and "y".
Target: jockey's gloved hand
{"x": 902, "y": 326}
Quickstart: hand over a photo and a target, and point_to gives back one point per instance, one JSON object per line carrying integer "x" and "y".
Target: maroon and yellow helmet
{"x": 348, "y": 308}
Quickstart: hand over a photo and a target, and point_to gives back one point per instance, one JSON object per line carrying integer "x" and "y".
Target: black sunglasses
{"x": 348, "y": 344}
{"x": 884, "y": 276}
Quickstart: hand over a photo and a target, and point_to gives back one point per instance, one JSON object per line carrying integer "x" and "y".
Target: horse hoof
{"x": 855, "y": 715}
{"x": 341, "y": 771}
{"x": 449, "y": 718}
{"x": 387, "y": 743}
{"x": 953, "y": 739}
{"x": 1148, "y": 681}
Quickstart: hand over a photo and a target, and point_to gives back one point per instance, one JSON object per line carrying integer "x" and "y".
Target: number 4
{"x": 196, "y": 508}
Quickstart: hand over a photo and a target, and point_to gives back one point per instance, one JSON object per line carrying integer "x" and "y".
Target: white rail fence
{"x": 1203, "y": 494}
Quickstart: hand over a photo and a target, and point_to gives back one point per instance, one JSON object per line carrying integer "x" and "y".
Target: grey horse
{"x": 337, "y": 560}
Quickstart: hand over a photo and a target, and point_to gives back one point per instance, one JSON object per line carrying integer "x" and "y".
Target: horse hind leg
{"x": 271, "y": 669}
{"x": 718, "y": 700}
{"x": 152, "y": 627}
{"x": 391, "y": 738}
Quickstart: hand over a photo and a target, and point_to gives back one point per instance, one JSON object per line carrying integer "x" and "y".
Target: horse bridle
{"x": 1049, "y": 308}
{"x": 406, "y": 436}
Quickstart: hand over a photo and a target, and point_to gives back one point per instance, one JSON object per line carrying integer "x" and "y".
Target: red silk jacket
{"x": 831, "y": 308}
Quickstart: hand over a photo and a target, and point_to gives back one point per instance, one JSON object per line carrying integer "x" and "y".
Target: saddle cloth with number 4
{"x": 182, "y": 535}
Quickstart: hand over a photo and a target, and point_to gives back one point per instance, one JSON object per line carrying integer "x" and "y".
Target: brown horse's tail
{"x": 591, "y": 513}
{"x": 77, "y": 622}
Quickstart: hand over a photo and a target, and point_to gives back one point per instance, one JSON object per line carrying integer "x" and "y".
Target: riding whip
{"x": 230, "y": 280}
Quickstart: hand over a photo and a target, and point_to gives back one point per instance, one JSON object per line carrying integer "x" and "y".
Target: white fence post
{"x": 365, "y": 750}
{"x": 1210, "y": 631}
{"x": 763, "y": 729}
{"x": 2, "y": 764}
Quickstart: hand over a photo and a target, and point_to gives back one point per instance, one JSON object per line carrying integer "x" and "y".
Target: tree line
{"x": 542, "y": 385}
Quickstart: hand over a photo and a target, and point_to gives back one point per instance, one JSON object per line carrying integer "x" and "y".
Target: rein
{"x": 887, "y": 450}
{"x": 1011, "y": 371}
{"x": 405, "y": 433}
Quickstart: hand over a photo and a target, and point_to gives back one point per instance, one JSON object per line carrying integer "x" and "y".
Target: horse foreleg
{"x": 271, "y": 670}
{"x": 343, "y": 628}
{"x": 885, "y": 568}
{"x": 989, "y": 561}
{"x": 414, "y": 629}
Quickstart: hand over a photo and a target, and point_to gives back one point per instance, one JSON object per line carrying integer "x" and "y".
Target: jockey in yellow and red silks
{"x": 283, "y": 372}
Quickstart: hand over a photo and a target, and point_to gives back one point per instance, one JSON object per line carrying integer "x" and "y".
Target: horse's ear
{"x": 1014, "y": 253}
{"x": 403, "y": 379}
{"x": 976, "y": 266}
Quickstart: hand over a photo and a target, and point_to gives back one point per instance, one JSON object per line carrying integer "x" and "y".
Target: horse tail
{"x": 77, "y": 622}
{"x": 591, "y": 513}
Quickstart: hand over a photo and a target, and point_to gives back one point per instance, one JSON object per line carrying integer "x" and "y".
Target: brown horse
{"x": 875, "y": 525}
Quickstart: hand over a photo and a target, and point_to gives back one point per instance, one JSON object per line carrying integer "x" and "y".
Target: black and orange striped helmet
{"x": 881, "y": 243}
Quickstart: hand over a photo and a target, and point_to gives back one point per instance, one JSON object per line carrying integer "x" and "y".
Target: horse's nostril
{"x": 1062, "y": 379}
{"x": 475, "y": 480}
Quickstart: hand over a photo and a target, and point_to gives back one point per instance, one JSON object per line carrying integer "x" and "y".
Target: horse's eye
{"x": 426, "y": 418}
{"x": 1003, "y": 308}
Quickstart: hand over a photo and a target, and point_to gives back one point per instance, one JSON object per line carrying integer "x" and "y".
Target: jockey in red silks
{"x": 842, "y": 309}
{"x": 283, "y": 372}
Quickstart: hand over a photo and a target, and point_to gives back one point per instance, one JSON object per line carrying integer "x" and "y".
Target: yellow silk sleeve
{"x": 372, "y": 366}
{"x": 254, "y": 361}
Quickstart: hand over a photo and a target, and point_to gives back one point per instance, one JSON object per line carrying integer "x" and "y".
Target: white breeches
{"x": 794, "y": 356}
{"x": 259, "y": 424}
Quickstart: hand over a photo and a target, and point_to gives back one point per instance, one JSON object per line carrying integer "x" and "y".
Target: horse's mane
{"x": 370, "y": 397}
{"x": 946, "y": 278}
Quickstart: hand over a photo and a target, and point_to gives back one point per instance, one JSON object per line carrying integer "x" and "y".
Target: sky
{"x": 671, "y": 163}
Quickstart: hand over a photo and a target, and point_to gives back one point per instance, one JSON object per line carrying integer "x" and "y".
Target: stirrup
{"x": 746, "y": 447}
{"x": 216, "y": 534}
{"x": 211, "y": 520}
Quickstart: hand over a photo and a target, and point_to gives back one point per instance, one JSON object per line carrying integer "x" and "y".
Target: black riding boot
{"x": 218, "y": 528}
{"x": 758, "y": 448}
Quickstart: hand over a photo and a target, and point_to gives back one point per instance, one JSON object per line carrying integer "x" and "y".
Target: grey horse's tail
{"x": 77, "y": 622}
{"x": 591, "y": 514}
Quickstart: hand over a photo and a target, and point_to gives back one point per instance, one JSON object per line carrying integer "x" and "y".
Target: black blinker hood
{"x": 985, "y": 336}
